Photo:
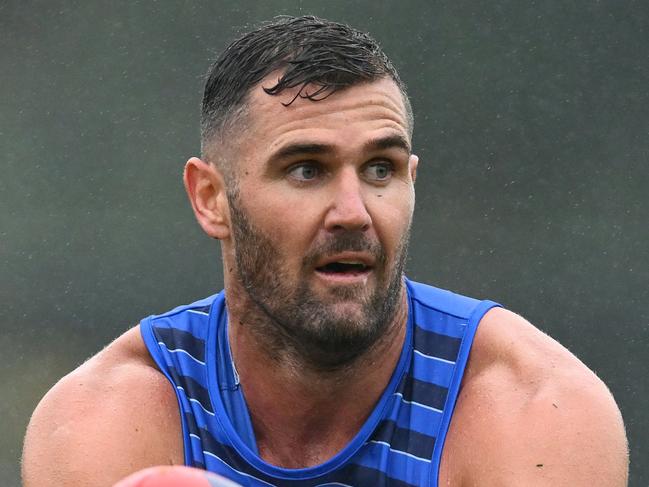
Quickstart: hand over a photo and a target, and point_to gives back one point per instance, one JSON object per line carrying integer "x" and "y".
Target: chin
{"x": 352, "y": 292}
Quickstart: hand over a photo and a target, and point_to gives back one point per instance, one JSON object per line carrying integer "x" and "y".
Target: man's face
{"x": 321, "y": 216}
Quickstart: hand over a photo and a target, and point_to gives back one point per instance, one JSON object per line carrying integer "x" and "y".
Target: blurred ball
{"x": 174, "y": 476}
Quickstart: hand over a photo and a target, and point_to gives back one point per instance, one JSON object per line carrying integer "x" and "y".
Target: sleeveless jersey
{"x": 400, "y": 443}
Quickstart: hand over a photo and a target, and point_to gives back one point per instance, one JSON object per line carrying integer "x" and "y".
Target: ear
{"x": 206, "y": 189}
{"x": 413, "y": 162}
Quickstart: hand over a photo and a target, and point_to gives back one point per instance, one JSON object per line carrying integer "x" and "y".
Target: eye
{"x": 379, "y": 171}
{"x": 306, "y": 171}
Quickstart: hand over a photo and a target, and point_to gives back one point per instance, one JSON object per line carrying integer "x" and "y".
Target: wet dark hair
{"x": 308, "y": 50}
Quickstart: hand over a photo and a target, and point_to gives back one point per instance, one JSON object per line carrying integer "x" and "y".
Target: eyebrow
{"x": 381, "y": 143}
{"x": 389, "y": 142}
{"x": 302, "y": 149}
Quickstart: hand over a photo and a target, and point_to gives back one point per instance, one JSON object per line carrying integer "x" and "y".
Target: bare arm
{"x": 112, "y": 416}
{"x": 569, "y": 433}
{"x": 532, "y": 414}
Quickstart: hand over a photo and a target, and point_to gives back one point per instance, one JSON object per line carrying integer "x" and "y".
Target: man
{"x": 320, "y": 364}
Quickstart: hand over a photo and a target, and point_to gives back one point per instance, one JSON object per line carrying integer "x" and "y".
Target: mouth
{"x": 344, "y": 271}
{"x": 342, "y": 267}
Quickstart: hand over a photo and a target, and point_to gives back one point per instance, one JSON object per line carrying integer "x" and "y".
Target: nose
{"x": 347, "y": 210}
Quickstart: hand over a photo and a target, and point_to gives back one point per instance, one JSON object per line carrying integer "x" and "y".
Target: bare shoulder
{"x": 113, "y": 415}
{"x": 530, "y": 413}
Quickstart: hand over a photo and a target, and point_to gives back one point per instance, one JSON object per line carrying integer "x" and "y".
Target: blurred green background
{"x": 532, "y": 125}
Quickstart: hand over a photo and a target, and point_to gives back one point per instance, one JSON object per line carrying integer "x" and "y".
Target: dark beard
{"x": 301, "y": 322}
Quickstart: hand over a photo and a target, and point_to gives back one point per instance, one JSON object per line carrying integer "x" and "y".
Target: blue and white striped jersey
{"x": 401, "y": 442}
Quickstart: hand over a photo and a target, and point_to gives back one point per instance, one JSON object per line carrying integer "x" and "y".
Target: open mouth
{"x": 348, "y": 268}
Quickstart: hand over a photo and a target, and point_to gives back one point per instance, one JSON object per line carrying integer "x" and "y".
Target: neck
{"x": 303, "y": 415}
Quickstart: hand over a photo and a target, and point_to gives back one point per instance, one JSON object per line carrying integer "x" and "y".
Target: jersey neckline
{"x": 218, "y": 317}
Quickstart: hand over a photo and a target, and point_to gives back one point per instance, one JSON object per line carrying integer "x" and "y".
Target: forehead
{"x": 353, "y": 114}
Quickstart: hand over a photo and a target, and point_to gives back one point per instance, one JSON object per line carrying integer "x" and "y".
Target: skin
{"x": 345, "y": 197}
{"x": 529, "y": 413}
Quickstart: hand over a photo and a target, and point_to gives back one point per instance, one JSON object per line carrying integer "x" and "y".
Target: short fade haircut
{"x": 308, "y": 51}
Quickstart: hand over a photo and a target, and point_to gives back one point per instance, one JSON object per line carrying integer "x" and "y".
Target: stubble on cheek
{"x": 319, "y": 330}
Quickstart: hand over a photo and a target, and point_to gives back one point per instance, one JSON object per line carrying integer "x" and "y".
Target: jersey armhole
{"x": 151, "y": 343}
{"x": 454, "y": 390}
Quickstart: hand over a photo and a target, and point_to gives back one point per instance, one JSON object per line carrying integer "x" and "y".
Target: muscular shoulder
{"x": 113, "y": 415}
{"x": 530, "y": 413}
